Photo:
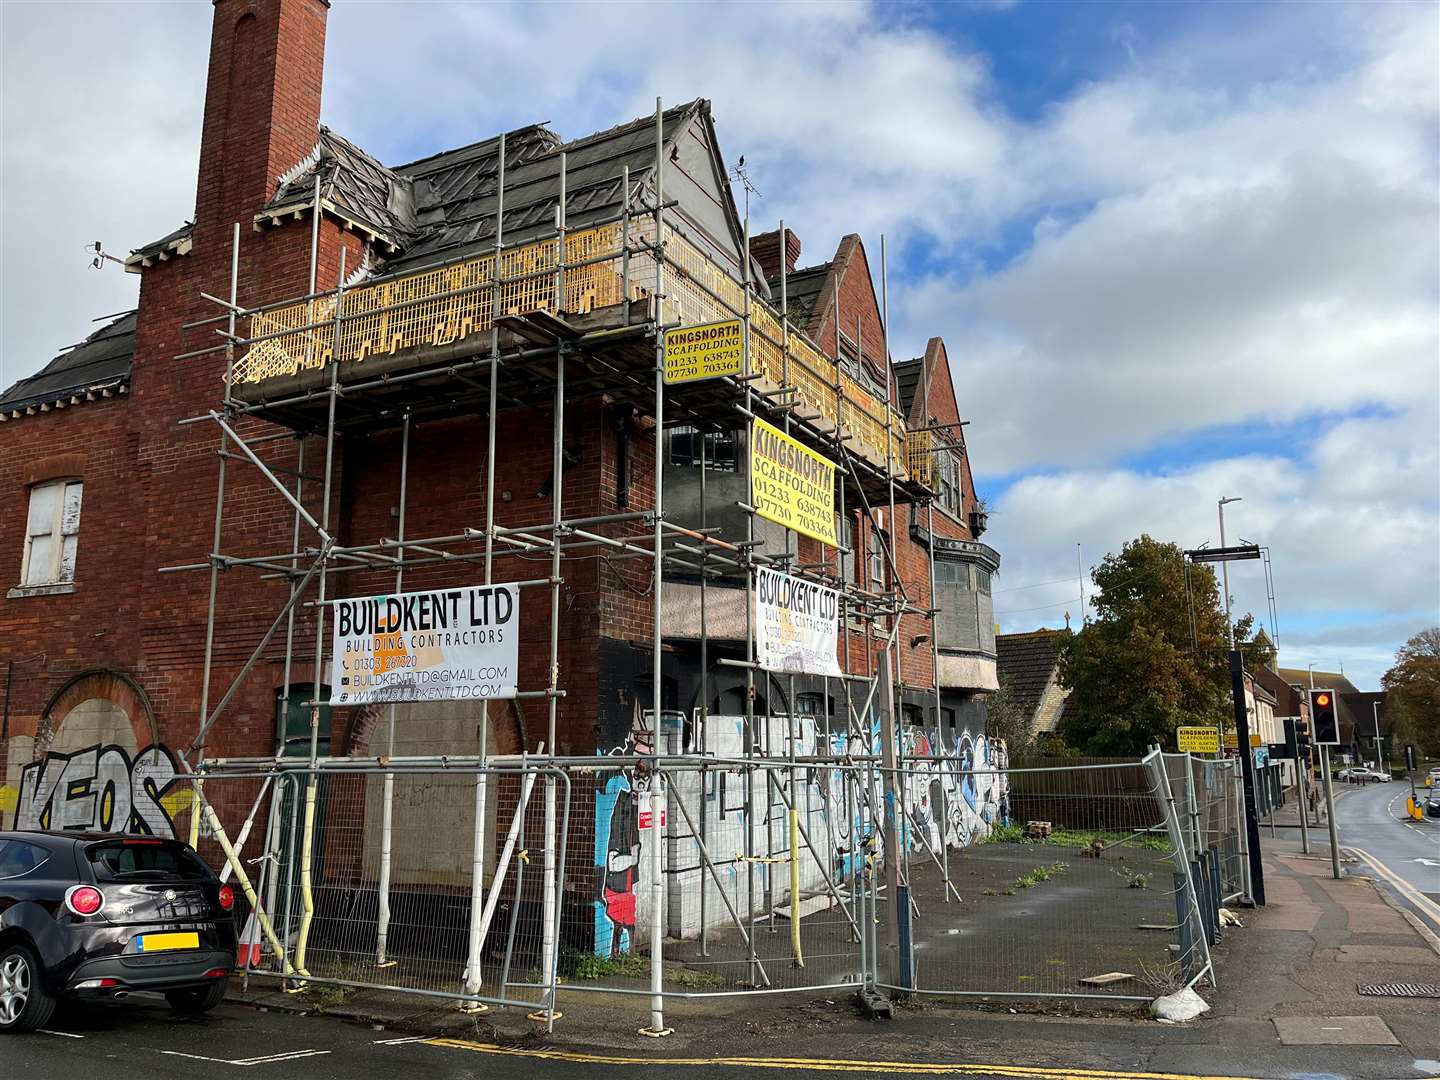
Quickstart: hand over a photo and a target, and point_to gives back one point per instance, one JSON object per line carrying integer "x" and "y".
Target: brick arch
{"x": 115, "y": 686}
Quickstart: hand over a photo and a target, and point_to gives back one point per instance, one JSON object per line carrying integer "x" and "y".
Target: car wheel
{"x": 194, "y": 1000}
{"x": 24, "y": 1004}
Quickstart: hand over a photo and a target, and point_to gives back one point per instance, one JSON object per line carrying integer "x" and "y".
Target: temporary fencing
{"x": 692, "y": 875}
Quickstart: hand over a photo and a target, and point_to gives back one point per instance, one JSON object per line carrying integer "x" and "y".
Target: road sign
{"x": 704, "y": 352}
{"x": 1198, "y": 740}
{"x": 1225, "y": 554}
{"x": 1232, "y": 741}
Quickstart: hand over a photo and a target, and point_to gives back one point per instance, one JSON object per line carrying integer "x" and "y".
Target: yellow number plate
{"x": 148, "y": 943}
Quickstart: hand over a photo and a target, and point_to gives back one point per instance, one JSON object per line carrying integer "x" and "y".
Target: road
{"x": 146, "y": 1042}
{"x": 1372, "y": 823}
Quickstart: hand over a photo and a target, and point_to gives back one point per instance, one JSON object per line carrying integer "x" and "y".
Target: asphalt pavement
{"x": 1372, "y": 823}
{"x": 146, "y": 1042}
{"x": 1287, "y": 1006}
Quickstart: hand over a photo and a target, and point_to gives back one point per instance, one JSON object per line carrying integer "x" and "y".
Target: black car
{"x": 1432, "y": 804}
{"x": 91, "y": 915}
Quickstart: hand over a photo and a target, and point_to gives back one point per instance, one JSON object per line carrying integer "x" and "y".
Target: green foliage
{"x": 1076, "y": 839}
{"x": 1083, "y": 839}
{"x": 587, "y": 967}
{"x": 1040, "y": 873}
{"x": 1412, "y": 694}
{"x": 1006, "y": 834}
{"x": 1134, "y": 879}
{"x": 1144, "y": 665}
{"x": 1005, "y": 719}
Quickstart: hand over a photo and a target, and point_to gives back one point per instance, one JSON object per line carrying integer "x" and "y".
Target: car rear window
{"x": 145, "y": 859}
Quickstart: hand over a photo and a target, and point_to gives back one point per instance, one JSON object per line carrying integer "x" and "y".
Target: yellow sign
{"x": 704, "y": 352}
{"x": 1232, "y": 741}
{"x": 792, "y": 485}
{"x": 1254, "y": 740}
{"x": 1198, "y": 740}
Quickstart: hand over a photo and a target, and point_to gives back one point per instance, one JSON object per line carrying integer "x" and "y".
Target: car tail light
{"x": 227, "y": 897}
{"x": 84, "y": 899}
{"x": 215, "y": 973}
{"x": 97, "y": 984}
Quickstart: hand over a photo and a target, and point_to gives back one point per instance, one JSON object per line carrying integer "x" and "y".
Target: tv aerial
{"x": 99, "y": 256}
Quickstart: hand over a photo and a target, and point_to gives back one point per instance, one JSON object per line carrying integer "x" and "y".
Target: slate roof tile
{"x": 101, "y": 360}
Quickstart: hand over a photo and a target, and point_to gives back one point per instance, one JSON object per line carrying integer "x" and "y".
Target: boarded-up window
{"x": 51, "y": 533}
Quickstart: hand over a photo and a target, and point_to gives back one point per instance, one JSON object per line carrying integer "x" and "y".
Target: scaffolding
{"x": 578, "y": 312}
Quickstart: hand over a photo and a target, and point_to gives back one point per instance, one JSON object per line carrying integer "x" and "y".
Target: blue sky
{"x": 1176, "y": 251}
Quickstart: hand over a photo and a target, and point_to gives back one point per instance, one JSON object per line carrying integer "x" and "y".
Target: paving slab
{"x": 1385, "y": 954}
{"x": 1334, "y": 1031}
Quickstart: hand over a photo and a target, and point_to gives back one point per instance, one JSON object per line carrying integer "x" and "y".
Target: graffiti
{"x": 953, "y": 793}
{"x": 617, "y": 837}
{"x": 618, "y": 860}
{"x": 100, "y": 788}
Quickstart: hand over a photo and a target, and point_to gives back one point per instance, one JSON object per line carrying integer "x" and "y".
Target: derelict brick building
{"x": 373, "y": 304}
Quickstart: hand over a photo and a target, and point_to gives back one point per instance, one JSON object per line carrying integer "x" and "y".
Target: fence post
{"x": 1216, "y": 890}
{"x": 657, "y": 1028}
{"x": 477, "y": 885}
{"x": 1182, "y": 921}
{"x": 1155, "y": 764}
{"x": 1190, "y": 797}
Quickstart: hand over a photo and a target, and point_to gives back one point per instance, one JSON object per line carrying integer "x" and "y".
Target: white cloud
{"x": 1235, "y": 227}
{"x": 100, "y": 109}
{"x": 1351, "y": 527}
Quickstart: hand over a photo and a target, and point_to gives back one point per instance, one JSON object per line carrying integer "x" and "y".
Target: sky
{"x": 1176, "y": 251}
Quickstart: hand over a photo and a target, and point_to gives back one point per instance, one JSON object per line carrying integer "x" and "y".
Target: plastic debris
{"x": 1178, "y": 1007}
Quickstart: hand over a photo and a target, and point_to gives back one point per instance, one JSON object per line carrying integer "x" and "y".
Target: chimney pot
{"x": 765, "y": 249}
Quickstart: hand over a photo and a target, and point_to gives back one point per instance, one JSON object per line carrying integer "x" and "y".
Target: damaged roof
{"x": 353, "y": 186}
{"x": 802, "y": 291}
{"x": 907, "y": 380}
{"x": 100, "y": 363}
{"x": 444, "y": 208}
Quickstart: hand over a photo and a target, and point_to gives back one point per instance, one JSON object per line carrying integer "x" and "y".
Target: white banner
{"x": 797, "y": 624}
{"x": 439, "y": 645}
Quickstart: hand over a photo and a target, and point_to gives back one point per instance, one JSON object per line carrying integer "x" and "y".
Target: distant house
{"x": 1354, "y": 709}
{"x": 1030, "y": 669}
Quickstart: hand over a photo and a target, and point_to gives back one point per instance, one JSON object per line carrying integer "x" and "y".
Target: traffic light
{"x": 1323, "y": 722}
{"x": 1302, "y": 738}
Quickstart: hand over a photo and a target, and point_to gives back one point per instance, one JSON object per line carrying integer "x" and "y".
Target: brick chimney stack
{"x": 765, "y": 249}
{"x": 262, "y": 106}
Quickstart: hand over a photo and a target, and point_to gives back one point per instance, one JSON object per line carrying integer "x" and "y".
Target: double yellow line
{"x": 907, "y": 1068}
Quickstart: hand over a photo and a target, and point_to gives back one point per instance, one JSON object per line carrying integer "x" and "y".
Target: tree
{"x": 1152, "y": 658}
{"x": 1005, "y": 719}
{"x": 1412, "y": 693}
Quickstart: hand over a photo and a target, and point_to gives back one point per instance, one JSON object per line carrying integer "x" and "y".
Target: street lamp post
{"x": 1225, "y": 571}
{"x": 1379, "y": 746}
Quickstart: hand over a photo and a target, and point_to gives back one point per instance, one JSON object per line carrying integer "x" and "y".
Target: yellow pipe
{"x": 307, "y": 896}
{"x": 244, "y": 879}
{"x": 795, "y": 887}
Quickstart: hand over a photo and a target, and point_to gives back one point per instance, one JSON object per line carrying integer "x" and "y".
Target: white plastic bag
{"x": 1178, "y": 1007}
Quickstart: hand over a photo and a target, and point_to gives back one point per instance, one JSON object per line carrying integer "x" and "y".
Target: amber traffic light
{"x": 1323, "y": 723}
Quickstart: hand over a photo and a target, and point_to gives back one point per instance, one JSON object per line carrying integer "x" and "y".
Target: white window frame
{"x": 876, "y": 560}
{"x": 55, "y": 572}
